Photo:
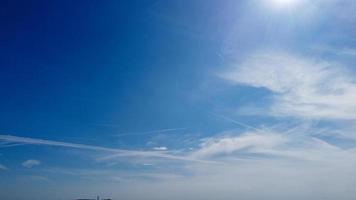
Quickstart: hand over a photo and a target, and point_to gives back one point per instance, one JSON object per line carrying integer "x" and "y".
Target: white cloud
{"x": 160, "y": 148}
{"x": 296, "y": 143}
{"x": 31, "y": 163}
{"x": 289, "y": 164}
{"x": 254, "y": 179}
{"x": 284, "y": 162}
{"x": 115, "y": 153}
{"x": 229, "y": 145}
{"x": 302, "y": 87}
{"x": 3, "y": 167}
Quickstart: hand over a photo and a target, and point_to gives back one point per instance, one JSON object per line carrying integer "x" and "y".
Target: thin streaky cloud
{"x": 9, "y": 145}
{"x": 117, "y": 152}
{"x": 228, "y": 145}
{"x": 34, "y": 141}
{"x": 237, "y": 122}
{"x": 150, "y": 132}
{"x": 160, "y": 154}
{"x": 301, "y": 87}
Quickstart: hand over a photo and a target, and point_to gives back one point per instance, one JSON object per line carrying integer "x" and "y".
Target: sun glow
{"x": 284, "y": 3}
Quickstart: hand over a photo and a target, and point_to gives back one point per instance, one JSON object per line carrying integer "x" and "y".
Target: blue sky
{"x": 178, "y": 99}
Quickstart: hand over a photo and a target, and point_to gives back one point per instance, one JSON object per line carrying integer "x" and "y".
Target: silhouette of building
{"x": 97, "y": 198}
{"x": 85, "y": 199}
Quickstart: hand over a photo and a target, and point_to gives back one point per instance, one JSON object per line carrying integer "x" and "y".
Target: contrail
{"x": 249, "y": 126}
{"x": 116, "y": 152}
{"x": 153, "y": 131}
{"x": 34, "y": 141}
{"x": 237, "y": 122}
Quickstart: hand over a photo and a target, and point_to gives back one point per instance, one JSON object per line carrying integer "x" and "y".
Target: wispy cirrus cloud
{"x": 289, "y": 157}
{"x": 280, "y": 164}
{"x": 298, "y": 143}
{"x": 229, "y": 145}
{"x": 115, "y": 153}
{"x": 301, "y": 87}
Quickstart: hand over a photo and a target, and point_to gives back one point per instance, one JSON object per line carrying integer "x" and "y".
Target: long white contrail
{"x": 117, "y": 152}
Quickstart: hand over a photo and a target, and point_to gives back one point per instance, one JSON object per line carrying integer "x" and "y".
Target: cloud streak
{"x": 298, "y": 144}
{"x": 301, "y": 87}
{"x": 150, "y": 132}
{"x": 294, "y": 165}
{"x": 115, "y": 152}
{"x": 160, "y": 148}
{"x": 229, "y": 145}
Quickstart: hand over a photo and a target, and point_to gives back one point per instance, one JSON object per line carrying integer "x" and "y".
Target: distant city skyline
{"x": 97, "y": 198}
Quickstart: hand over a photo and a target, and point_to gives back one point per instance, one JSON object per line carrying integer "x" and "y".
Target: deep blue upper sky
{"x": 178, "y": 81}
{"x": 73, "y": 69}
{"x": 71, "y": 65}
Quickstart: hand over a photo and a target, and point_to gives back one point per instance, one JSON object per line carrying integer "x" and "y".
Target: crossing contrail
{"x": 116, "y": 152}
{"x": 237, "y": 122}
